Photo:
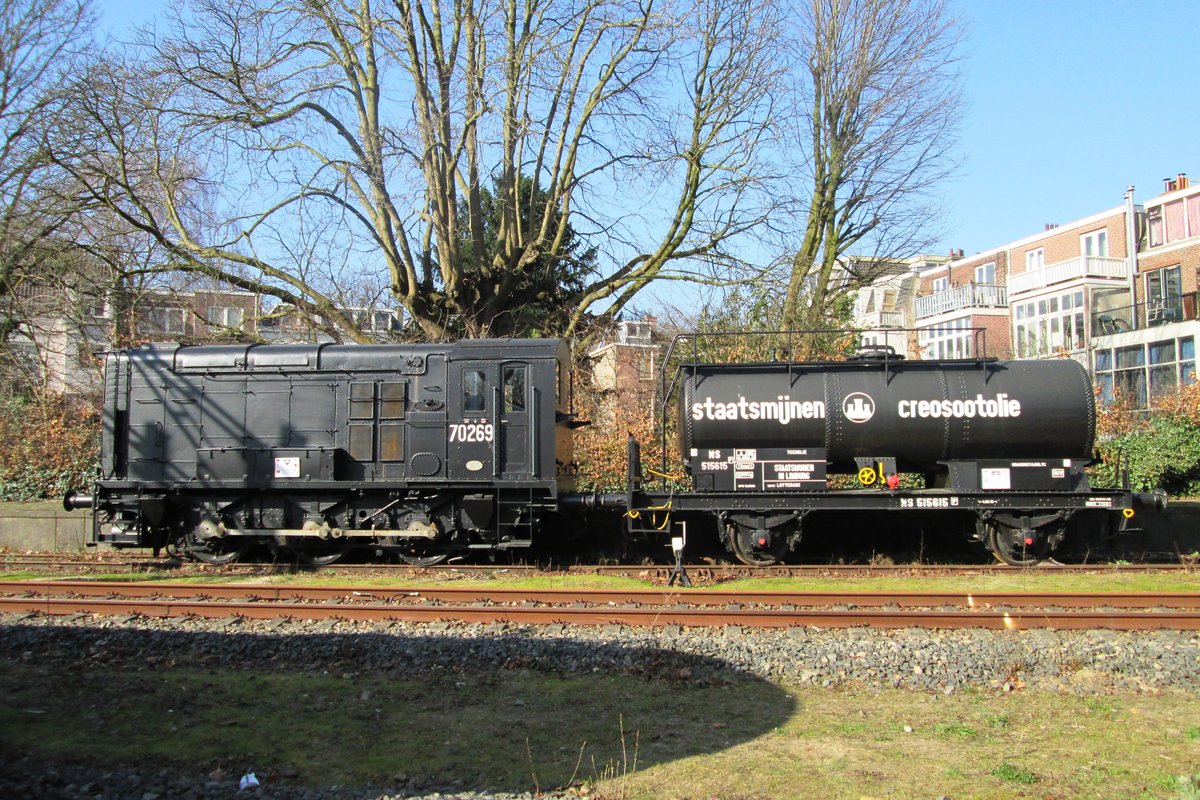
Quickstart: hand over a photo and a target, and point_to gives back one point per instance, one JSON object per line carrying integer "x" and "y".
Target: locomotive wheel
{"x": 215, "y": 553}
{"x": 321, "y": 556}
{"x": 203, "y": 543}
{"x": 424, "y": 550}
{"x": 419, "y": 554}
{"x": 422, "y": 559}
{"x": 744, "y": 543}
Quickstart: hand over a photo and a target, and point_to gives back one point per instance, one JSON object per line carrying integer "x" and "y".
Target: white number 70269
{"x": 471, "y": 432}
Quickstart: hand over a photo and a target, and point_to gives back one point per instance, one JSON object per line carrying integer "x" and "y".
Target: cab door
{"x": 471, "y": 436}
{"x": 515, "y": 409}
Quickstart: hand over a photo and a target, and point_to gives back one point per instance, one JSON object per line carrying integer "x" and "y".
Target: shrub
{"x": 52, "y": 445}
{"x": 1160, "y": 448}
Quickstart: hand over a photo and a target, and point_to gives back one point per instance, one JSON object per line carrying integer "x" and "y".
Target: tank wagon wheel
{"x": 1009, "y": 545}
{"x": 756, "y": 548}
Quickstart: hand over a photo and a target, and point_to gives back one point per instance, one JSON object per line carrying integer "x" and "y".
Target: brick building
{"x": 625, "y": 365}
{"x": 960, "y": 309}
{"x": 1144, "y": 339}
{"x": 1116, "y": 290}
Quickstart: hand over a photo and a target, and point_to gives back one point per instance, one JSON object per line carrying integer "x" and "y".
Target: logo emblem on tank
{"x": 858, "y": 407}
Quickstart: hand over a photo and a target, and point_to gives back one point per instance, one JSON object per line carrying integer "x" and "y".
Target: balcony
{"x": 880, "y": 319}
{"x": 973, "y": 295}
{"x": 1151, "y": 314}
{"x": 1080, "y": 267}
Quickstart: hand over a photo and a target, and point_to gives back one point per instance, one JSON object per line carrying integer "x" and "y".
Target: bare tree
{"x": 882, "y": 100}
{"x": 40, "y": 46}
{"x": 384, "y": 125}
{"x": 39, "y": 40}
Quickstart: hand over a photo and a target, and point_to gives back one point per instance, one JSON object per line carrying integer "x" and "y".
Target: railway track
{"x": 700, "y": 573}
{"x": 1117, "y": 611}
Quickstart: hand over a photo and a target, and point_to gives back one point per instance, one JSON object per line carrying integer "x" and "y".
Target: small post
{"x": 679, "y": 573}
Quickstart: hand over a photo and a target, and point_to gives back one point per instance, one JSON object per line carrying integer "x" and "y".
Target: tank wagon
{"x": 427, "y": 451}
{"x": 1002, "y": 443}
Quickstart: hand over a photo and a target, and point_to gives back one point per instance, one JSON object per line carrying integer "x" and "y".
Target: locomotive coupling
{"x": 591, "y": 501}
{"x": 73, "y": 501}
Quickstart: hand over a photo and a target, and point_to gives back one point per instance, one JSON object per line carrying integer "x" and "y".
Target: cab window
{"x": 474, "y": 391}
{"x": 514, "y": 388}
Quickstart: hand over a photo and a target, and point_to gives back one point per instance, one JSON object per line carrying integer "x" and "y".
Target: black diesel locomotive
{"x": 428, "y": 451}
{"x": 417, "y": 450}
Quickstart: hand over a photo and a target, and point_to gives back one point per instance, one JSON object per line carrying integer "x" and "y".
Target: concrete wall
{"x": 43, "y": 526}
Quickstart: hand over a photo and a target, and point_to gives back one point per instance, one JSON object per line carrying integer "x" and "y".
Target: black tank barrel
{"x": 917, "y": 412}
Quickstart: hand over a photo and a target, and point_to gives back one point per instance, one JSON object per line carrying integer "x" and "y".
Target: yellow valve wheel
{"x": 866, "y": 476}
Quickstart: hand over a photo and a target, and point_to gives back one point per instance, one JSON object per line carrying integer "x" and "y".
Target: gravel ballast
{"x": 1087, "y": 662}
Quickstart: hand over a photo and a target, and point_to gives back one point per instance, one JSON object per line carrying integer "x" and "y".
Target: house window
{"x": 224, "y": 316}
{"x": 948, "y": 340}
{"x": 1154, "y": 225}
{"x": 941, "y": 284}
{"x": 383, "y": 321}
{"x": 1035, "y": 259}
{"x": 1164, "y": 301}
{"x": 986, "y": 273}
{"x": 168, "y": 320}
{"x": 96, "y": 308}
{"x": 1141, "y": 373}
{"x": 1094, "y": 244}
{"x": 889, "y": 300}
{"x": 1174, "y": 217}
{"x": 1173, "y": 222}
{"x": 1048, "y": 325}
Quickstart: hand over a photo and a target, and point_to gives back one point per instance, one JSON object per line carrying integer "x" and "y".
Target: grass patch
{"x": 1034, "y": 581}
{"x": 956, "y": 729}
{"x": 1014, "y": 774}
{"x": 523, "y": 730}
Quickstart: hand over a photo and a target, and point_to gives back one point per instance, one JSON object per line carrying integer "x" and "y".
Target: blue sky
{"x": 1068, "y": 102}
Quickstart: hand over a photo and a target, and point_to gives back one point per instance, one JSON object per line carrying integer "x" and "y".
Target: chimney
{"x": 1051, "y": 226}
{"x": 955, "y": 254}
{"x": 1181, "y": 181}
{"x": 1169, "y": 185}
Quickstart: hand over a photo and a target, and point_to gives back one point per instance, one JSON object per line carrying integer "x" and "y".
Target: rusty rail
{"x": 1122, "y": 611}
{"x": 641, "y": 597}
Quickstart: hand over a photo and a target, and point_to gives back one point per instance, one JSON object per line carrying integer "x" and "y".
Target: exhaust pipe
{"x": 73, "y": 501}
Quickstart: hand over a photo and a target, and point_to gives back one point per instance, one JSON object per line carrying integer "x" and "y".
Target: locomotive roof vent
{"x": 876, "y": 352}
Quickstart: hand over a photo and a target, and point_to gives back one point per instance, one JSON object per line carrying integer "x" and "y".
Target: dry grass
{"x": 627, "y": 737}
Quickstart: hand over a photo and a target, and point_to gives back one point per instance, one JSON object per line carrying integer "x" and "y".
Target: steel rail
{"x": 733, "y": 600}
{"x": 701, "y": 571}
{"x": 642, "y": 617}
